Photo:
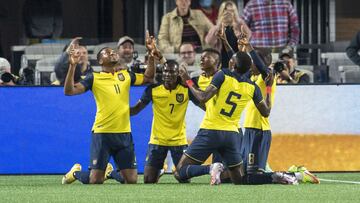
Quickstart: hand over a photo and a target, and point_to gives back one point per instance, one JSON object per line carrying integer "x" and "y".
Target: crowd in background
{"x": 184, "y": 32}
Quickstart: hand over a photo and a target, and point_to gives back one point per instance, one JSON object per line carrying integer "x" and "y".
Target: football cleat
{"x": 283, "y": 178}
{"x": 307, "y": 177}
{"x": 109, "y": 169}
{"x": 215, "y": 172}
{"x": 69, "y": 176}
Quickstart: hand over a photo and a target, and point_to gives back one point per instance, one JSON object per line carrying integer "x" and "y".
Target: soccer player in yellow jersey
{"x": 257, "y": 136}
{"x": 111, "y": 133}
{"x": 219, "y": 129}
{"x": 168, "y": 133}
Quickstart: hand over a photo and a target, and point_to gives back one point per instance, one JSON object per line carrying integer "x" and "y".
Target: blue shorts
{"x": 217, "y": 157}
{"x": 118, "y": 145}
{"x": 256, "y": 147}
{"x": 156, "y": 155}
{"x": 226, "y": 143}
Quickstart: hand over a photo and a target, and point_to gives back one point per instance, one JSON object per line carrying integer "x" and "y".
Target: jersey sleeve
{"x": 147, "y": 95}
{"x": 259, "y": 64}
{"x": 195, "y": 80}
{"x": 88, "y": 81}
{"x": 192, "y": 98}
{"x": 136, "y": 78}
{"x": 257, "y": 97}
{"x": 218, "y": 79}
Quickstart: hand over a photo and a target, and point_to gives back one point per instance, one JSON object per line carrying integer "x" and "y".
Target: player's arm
{"x": 210, "y": 91}
{"x": 264, "y": 106}
{"x": 143, "y": 101}
{"x": 139, "y": 106}
{"x": 244, "y": 42}
{"x": 154, "y": 53}
{"x": 69, "y": 87}
{"x": 196, "y": 101}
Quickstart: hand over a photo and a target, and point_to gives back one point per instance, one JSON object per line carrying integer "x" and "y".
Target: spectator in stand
{"x": 42, "y": 19}
{"x": 5, "y": 73}
{"x": 353, "y": 49}
{"x": 187, "y": 55}
{"x": 286, "y": 71}
{"x": 62, "y": 65}
{"x": 274, "y": 23}
{"x": 230, "y": 20}
{"x": 183, "y": 25}
{"x": 209, "y": 9}
{"x": 128, "y": 56}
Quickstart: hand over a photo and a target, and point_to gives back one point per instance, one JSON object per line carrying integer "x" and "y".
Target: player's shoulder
{"x": 236, "y": 76}
{"x": 154, "y": 85}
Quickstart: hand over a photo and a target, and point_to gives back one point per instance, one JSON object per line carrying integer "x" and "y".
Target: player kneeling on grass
{"x": 219, "y": 129}
{"x": 168, "y": 133}
{"x": 111, "y": 135}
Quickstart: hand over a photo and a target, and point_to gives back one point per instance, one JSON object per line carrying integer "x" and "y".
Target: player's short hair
{"x": 98, "y": 54}
{"x": 242, "y": 62}
{"x": 172, "y": 62}
{"x": 215, "y": 52}
{"x": 265, "y": 55}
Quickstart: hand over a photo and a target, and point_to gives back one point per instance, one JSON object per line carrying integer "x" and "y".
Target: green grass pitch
{"x": 48, "y": 188}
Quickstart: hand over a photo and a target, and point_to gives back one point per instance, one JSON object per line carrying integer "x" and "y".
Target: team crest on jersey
{"x": 121, "y": 77}
{"x": 180, "y": 98}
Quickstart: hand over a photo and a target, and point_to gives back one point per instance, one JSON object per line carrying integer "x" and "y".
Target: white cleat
{"x": 283, "y": 178}
{"x": 215, "y": 172}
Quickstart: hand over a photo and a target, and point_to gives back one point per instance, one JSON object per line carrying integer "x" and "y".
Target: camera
{"x": 280, "y": 65}
{"x": 137, "y": 66}
{"x": 8, "y": 77}
{"x": 26, "y": 78}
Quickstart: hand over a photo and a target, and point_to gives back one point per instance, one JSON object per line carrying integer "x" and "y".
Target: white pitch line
{"x": 339, "y": 181}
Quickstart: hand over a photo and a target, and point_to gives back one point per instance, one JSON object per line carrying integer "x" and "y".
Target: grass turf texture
{"x": 49, "y": 189}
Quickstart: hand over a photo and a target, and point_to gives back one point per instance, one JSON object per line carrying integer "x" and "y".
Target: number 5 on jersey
{"x": 231, "y": 103}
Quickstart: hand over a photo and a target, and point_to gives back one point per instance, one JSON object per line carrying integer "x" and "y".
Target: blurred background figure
{"x": 209, "y": 8}
{"x": 6, "y": 77}
{"x": 188, "y": 55}
{"x": 128, "y": 56}
{"x": 286, "y": 69}
{"x": 62, "y": 65}
{"x": 352, "y": 51}
{"x": 183, "y": 25}
{"x": 42, "y": 19}
{"x": 229, "y": 19}
{"x": 273, "y": 23}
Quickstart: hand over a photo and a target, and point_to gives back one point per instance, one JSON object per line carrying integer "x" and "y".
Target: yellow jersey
{"x": 234, "y": 92}
{"x": 203, "y": 82}
{"x": 169, "y": 108}
{"x": 111, "y": 93}
{"x": 253, "y": 118}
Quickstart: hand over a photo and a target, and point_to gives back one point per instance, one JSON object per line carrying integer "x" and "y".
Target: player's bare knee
{"x": 131, "y": 180}
{"x": 149, "y": 179}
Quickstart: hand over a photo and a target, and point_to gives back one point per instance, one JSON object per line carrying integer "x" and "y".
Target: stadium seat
{"x": 349, "y": 74}
{"x": 333, "y": 61}
{"x": 45, "y": 49}
{"x": 44, "y": 65}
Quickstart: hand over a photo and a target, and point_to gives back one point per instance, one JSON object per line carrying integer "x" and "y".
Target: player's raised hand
{"x": 149, "y": 41}
{"x": 183, "y": 72}
{"x": 269, "y": 80}
{"x": 243, "y": 41}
